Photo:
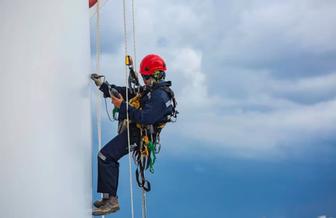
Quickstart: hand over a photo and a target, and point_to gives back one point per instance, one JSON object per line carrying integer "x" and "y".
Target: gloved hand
{"x": 117, "y": 101}
{"x": 97, "y": 79}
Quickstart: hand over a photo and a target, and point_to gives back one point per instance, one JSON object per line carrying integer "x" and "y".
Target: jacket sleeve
{"x": 152, "y": 112}
{"x": 122, "y": 90}
{"x": 105, "y": 89}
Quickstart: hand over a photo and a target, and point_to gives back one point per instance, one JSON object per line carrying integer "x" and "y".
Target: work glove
{"x": 97, "y": 79}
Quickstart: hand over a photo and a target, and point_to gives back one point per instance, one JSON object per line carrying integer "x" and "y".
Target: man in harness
{"x": 148, "y": 111}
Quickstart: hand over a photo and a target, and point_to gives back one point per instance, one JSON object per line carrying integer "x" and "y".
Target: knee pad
{"x": 108, "y": 160}
{"x": 101, "y": 156}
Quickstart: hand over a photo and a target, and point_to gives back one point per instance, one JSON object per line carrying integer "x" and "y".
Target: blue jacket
{"x": 155, "y": 105}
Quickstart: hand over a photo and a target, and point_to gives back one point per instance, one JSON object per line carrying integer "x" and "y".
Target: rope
{"x": 98, "y": 103}
{"x": 133, "y": 25}
{"x": 108, "y": 113}
{"x": 98, "y": 62}
{"x": 144, "y": 200}
{"x": 144, "y": 204}
{"x": 98, "y": 49}
{"x": 127, "y": 115}
{"x": 101, "y": 6}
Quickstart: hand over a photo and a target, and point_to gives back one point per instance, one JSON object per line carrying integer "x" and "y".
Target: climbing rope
{"x": 98, "y": 63}
{"x": 127, "y": 115}
{"x": 98, "y": 49}
{"x": 144, "y": 199}
{"x": 102, "y": 5}
{"x": 144, "y": 203}
{"x": 133, "y": 25}
{"x": 98, "y": 60}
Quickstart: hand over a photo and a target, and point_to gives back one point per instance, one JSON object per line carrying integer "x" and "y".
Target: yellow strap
{"x": 161, "y": 126}
{"x": 135, "y": 101}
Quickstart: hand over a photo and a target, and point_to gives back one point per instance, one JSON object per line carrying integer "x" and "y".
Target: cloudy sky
{"x": 256, "y": 86}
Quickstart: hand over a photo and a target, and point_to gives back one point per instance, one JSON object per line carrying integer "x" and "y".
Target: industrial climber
{"x": 156, "y": 104}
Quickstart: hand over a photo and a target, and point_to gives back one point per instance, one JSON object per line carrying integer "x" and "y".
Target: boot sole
{"x": 105, "y": 213}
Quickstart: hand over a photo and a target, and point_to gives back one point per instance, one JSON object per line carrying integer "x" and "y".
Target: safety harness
{"x": 144, "y": 154}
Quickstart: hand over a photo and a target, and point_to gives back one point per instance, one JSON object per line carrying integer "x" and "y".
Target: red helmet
{"x": 152, "y": 63}
{"x": 92, "y": 3}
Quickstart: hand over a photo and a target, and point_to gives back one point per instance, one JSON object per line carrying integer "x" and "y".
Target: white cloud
{"x": 269, "y": 31}
{"x": 186, "y": 65}
{"x": 262, "y": 133}
{"x": 311, "y": 89}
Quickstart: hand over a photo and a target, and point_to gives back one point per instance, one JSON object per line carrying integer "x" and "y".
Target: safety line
{"x": 102, "y": 6}
{"x": 134, "y": 42}
{"x": 98, "y": 50}
{"x": 98, "y": 68}
{"x": 144, "y": 200}
{"x": 144, "y": 204}
{"x": 127, "y": 115}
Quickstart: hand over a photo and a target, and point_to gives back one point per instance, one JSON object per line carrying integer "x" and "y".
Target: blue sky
{"x": 256, "y": 86}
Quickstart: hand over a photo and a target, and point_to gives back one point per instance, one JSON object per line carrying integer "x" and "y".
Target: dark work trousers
{"x": 108, "y": 157}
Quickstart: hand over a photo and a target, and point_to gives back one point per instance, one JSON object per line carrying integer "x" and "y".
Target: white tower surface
{"x": 45, "y": 121}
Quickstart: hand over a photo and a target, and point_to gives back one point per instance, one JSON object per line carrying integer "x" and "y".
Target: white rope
{"x": 127, "y": 115}
{"x": 98, "y": 68}
{"x": 144, "y": 200}
{"x": 134, "y": 43}
{"x": 101, "y": 6}
{"x": 98, "y": 50}
{"x": 144, "y": 203}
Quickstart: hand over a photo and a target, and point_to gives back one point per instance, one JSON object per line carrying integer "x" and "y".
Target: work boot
{"x": 100, "y": 203}
{"x": 110, "y": 205}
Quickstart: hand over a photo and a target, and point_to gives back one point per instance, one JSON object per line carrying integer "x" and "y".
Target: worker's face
{"x": 148, "y": 80}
